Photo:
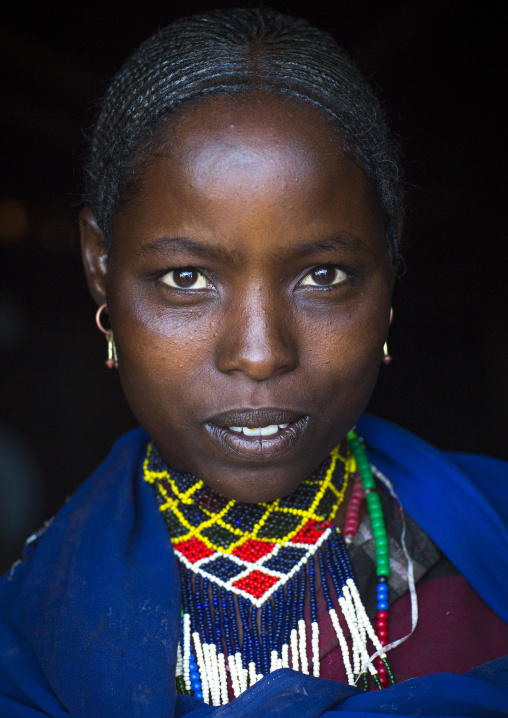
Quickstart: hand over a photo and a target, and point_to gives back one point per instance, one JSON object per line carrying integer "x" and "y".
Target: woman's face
{"x": 248, "y": 288}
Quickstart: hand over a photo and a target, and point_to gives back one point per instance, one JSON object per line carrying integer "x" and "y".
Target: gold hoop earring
{"x": 112, "y": 360}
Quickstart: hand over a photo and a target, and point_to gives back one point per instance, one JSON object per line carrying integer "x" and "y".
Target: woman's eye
{"x": 186, "y": 279}
{"x": 324, "y": 277}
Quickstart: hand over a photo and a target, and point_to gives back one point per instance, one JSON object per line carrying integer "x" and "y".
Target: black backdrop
{"x": 438, "y": 66}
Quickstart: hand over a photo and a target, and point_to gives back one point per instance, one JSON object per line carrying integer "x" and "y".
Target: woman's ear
{"x": 94, "y": 253}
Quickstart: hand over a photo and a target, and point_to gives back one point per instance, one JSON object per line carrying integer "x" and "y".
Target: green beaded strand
{"x": 365, "y": 680}
{"x": 377, "y": 522}
{"x": 389, "y": 671}
{"x": 180, "y": 680}
{"x": 180, "y": 686}
{"x": 373, "y": 503}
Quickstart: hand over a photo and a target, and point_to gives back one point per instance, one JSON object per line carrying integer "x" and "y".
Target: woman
{"x": 241, "y": 237}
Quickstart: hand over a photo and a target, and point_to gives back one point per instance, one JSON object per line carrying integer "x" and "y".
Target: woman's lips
{"x": 258, "y": 434}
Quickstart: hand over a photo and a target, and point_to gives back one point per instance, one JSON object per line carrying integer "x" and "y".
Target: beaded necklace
{"x": 246, "y": 570}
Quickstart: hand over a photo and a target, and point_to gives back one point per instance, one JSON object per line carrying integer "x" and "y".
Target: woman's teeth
{"x": 260, "y": 430}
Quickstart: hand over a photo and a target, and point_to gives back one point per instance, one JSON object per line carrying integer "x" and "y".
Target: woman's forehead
{"x": 223, "y": 145}
{"x": 250, "y": 183}
{"x": 250, "y": 134}
{"x": 260, "y": 167}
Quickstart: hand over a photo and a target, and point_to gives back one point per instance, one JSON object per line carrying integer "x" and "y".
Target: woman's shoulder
{"x": 460, "y": 501}
{"x": 103, "y": 506}
{"x": 115, "y": 478}
{"x": 103, "y": 564}
{"x": 109, "y": 491}
{"x": 420, "y": 469}
{"x": 407, "y": 453}
{"x": 123, "y": 459}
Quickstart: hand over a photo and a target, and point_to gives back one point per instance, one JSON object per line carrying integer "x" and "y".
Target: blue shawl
{"x": 89, "y": 620}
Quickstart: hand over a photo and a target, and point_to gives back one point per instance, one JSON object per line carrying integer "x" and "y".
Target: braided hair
{"x": 227, "y": 52}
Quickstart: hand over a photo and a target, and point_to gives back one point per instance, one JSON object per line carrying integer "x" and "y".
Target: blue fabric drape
{"x": 89, "y": 620}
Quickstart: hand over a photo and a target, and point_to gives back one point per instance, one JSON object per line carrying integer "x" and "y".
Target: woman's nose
{"x": 256, "y": 339}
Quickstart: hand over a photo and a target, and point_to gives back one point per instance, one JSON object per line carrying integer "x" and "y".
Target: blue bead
{"x": 382, "y": 588}
{"x": 196, "y": 686}
{"x": 198, "y": 695}
{"x": 194, "y": 676}
{"x": 382, "y": 605}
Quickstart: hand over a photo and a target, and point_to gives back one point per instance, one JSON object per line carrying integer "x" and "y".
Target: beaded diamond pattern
{"x": 249, "y": 549}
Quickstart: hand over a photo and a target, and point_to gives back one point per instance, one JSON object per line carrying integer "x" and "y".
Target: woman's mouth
{"x": 257, "y": 434}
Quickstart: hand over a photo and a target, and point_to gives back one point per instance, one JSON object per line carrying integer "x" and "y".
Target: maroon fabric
{"x": 456, "y": 631}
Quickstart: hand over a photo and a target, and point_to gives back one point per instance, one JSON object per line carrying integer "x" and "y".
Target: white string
{"x": 410, "y": 573}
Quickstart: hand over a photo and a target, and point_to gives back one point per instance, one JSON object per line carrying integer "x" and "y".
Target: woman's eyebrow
{"x": 183, "y": 245}
{"x": 343, "y": 240}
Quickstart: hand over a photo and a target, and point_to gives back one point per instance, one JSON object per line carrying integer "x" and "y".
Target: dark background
{"x": 439, "y": 69}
